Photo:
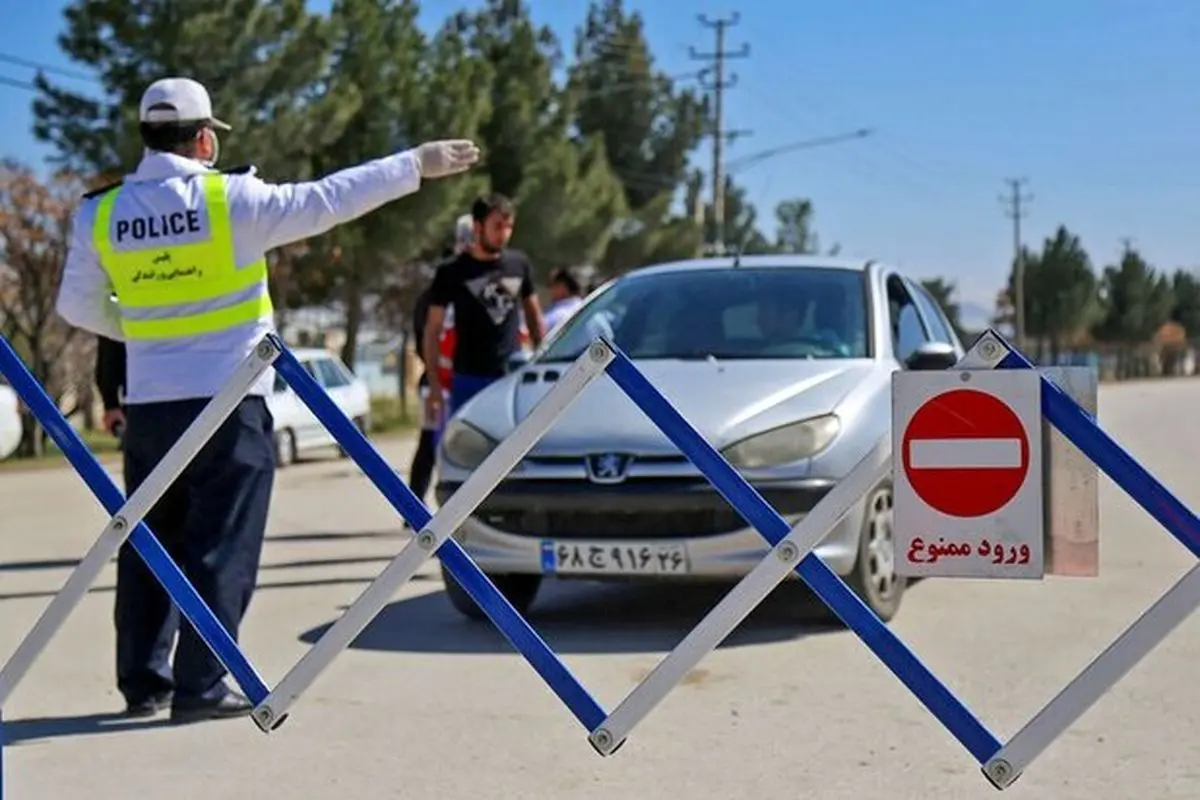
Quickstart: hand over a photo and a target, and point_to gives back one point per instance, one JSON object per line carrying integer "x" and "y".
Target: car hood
{"x": 724, "y": 400}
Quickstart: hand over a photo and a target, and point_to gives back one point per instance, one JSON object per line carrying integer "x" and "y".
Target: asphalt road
{"x": 427, "y": 705}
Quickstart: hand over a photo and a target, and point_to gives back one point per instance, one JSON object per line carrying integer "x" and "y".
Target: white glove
{"x": 445, "y": 157}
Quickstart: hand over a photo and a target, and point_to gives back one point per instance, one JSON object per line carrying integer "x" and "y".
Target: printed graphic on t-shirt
{"x": 498, "y": 296}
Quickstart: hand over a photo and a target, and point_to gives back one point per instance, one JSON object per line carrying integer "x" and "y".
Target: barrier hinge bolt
{"x": 119, "y": 524}
{"x": 788, "y": 552}
{"x": 266, "y": 349}
{"x": 426, "y": 539}
{"x": 602, "y": 739}
{"x": 1000, "y": 772}
{"x": 988, "y": 348}
{"x": 263, "y": 717}
{"x": 598, "y": 351}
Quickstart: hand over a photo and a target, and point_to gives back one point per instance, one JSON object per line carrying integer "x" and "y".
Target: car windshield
{"x": 726, "y": 313}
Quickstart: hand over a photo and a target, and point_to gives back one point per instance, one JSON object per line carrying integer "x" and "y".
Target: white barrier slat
{"x": 481, "y": 482}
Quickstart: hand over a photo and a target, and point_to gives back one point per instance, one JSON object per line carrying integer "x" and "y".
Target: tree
{"x": 1135, "y": 299}
{"x": 1185, "y": 289}
{"x": 409, "y": 89}
{"x": 525, "y": 112}
{"x": 263, "y": 61}
{"x": 741, "y": 223}
{"x": 648, "y": 126}
{"x": 1060, "y": 290}
{"x": 35, "y": 224}
{"x": 794, "y": 231}
{"x": 568, "y": 205}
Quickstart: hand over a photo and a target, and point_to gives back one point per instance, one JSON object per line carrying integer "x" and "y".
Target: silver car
{"x": 782, "y": 362}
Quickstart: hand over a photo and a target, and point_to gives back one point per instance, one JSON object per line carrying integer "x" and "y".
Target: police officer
{"x": 181, "y": 246}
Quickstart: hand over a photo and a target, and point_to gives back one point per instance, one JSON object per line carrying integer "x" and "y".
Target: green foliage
{"x": 1060, "y": 289}
{"x": 389, "y": 415}
{"x": 1185, "y": 310}
{"x": 263, "y": 61}
{"x": 1135, "y": 300}
{"x": 595, "y": 147}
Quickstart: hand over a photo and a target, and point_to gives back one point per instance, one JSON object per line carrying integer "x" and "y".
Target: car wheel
{"x": 874, "y": 578}
{"x": 285, "y": 448}
{"x": 520, "y": 590}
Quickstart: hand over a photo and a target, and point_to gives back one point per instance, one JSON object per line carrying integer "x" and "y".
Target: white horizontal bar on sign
{"x": 964, "y": 453}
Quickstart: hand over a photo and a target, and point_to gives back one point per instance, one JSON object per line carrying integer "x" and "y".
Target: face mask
{"x": 216, "y": 148}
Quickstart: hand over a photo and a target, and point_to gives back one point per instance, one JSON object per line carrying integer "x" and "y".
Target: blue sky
{"x": 1093, "y": 101}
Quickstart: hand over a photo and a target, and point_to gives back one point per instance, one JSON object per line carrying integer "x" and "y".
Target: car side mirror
{"x": 932, "y": 356}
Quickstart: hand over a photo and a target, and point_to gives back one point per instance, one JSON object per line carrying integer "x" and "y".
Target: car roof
{"x": 783, "y": 260}
{"x": 308, "y": 353}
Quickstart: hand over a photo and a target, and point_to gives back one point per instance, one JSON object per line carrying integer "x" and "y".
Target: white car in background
{"x": 10, "y": 421}
{"x": 298, "y": 432}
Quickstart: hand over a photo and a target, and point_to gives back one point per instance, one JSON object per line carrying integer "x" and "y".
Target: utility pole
{"x": 1014, "y": 203}
{"x": 715, "y": 81}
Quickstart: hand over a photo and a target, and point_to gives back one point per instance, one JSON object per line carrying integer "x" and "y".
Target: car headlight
{"x": 466, "y": 446}
{"x": 785, "y": 444}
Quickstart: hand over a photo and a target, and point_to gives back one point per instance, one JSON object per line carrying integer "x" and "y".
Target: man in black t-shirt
{"x": 484, "y": 285}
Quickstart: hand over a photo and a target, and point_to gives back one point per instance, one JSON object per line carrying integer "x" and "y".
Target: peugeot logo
{"x": 608, "y": 467}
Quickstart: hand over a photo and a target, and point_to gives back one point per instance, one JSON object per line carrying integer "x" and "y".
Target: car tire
{"x": 285, "y": 448}
{"x": 519, "y": 590}
{"x": 874, "y": 577}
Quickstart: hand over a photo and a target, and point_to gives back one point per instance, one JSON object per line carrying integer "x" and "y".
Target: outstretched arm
{"x": 280, "y": 214}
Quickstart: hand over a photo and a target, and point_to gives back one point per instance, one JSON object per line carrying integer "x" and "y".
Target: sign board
{"x": 1072, "y": 484}
{"x": 968, "y": 474}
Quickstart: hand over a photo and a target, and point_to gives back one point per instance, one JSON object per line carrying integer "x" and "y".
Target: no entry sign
{"x": 967, "y": 473}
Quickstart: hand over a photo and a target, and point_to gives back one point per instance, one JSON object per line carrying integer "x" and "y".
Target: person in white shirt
{"x": 566, "y": 295}
{"x": 171, "y": 261}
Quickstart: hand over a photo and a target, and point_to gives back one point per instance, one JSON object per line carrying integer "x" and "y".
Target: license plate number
{"x": 614, "y": 558}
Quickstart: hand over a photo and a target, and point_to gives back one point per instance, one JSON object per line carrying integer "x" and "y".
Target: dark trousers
{"x": 212, "y": 521}
{"x": 464, "y": 387}
{"x": 420, "y": 472}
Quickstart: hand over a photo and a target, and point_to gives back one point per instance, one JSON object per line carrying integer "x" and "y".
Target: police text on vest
{"x": 174, "y": 224}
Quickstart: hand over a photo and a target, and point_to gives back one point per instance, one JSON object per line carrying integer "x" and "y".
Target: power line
{"x": 751, "y": 159}
{"x": 1014, "y": 208}
{"x": 718, "y": 86}
{"x": 17, "y": 84}
{"x": 38, "y": 65}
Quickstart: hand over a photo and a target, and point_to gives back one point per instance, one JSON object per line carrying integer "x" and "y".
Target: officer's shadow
{"x": 32, "y": 729}
{"x": 586, "y": 617}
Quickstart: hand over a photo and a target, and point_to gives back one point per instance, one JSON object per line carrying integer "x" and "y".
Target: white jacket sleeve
{"x": 85, "y": 294}
{"x": 279, "y": 214}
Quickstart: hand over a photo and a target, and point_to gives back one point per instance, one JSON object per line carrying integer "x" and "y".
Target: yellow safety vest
{"x": 158, "y": 296}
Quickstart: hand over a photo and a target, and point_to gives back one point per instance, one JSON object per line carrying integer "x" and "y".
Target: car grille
{"x": 677, "y": 524}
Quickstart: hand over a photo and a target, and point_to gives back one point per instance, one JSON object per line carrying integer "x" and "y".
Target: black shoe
{"x": 147, "y": 707}
{"x": 229, "y": 706}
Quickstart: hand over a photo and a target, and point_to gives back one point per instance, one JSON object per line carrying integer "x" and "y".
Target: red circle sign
{"x": 965, "y": 453}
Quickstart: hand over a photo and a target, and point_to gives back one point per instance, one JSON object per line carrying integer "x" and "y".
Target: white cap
{"x": 178, "y": 100}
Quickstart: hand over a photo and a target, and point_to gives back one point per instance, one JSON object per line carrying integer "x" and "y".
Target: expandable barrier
{"x": 607, "y": 731}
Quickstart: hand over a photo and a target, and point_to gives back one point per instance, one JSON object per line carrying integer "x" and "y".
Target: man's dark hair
{"x": 567, "y": 279}
{"x": 488, "y": 203}
{"x": 171, "y": 137}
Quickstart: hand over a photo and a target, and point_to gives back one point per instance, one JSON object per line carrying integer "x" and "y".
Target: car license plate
{"x": 613, "y": 558}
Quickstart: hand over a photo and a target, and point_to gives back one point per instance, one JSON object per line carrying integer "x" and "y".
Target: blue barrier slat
{"x": 936, "y": 697}
{"x": 1078, "y": 426}
{"x": 515, "y": 628}
{"x": 168, "y": 573}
